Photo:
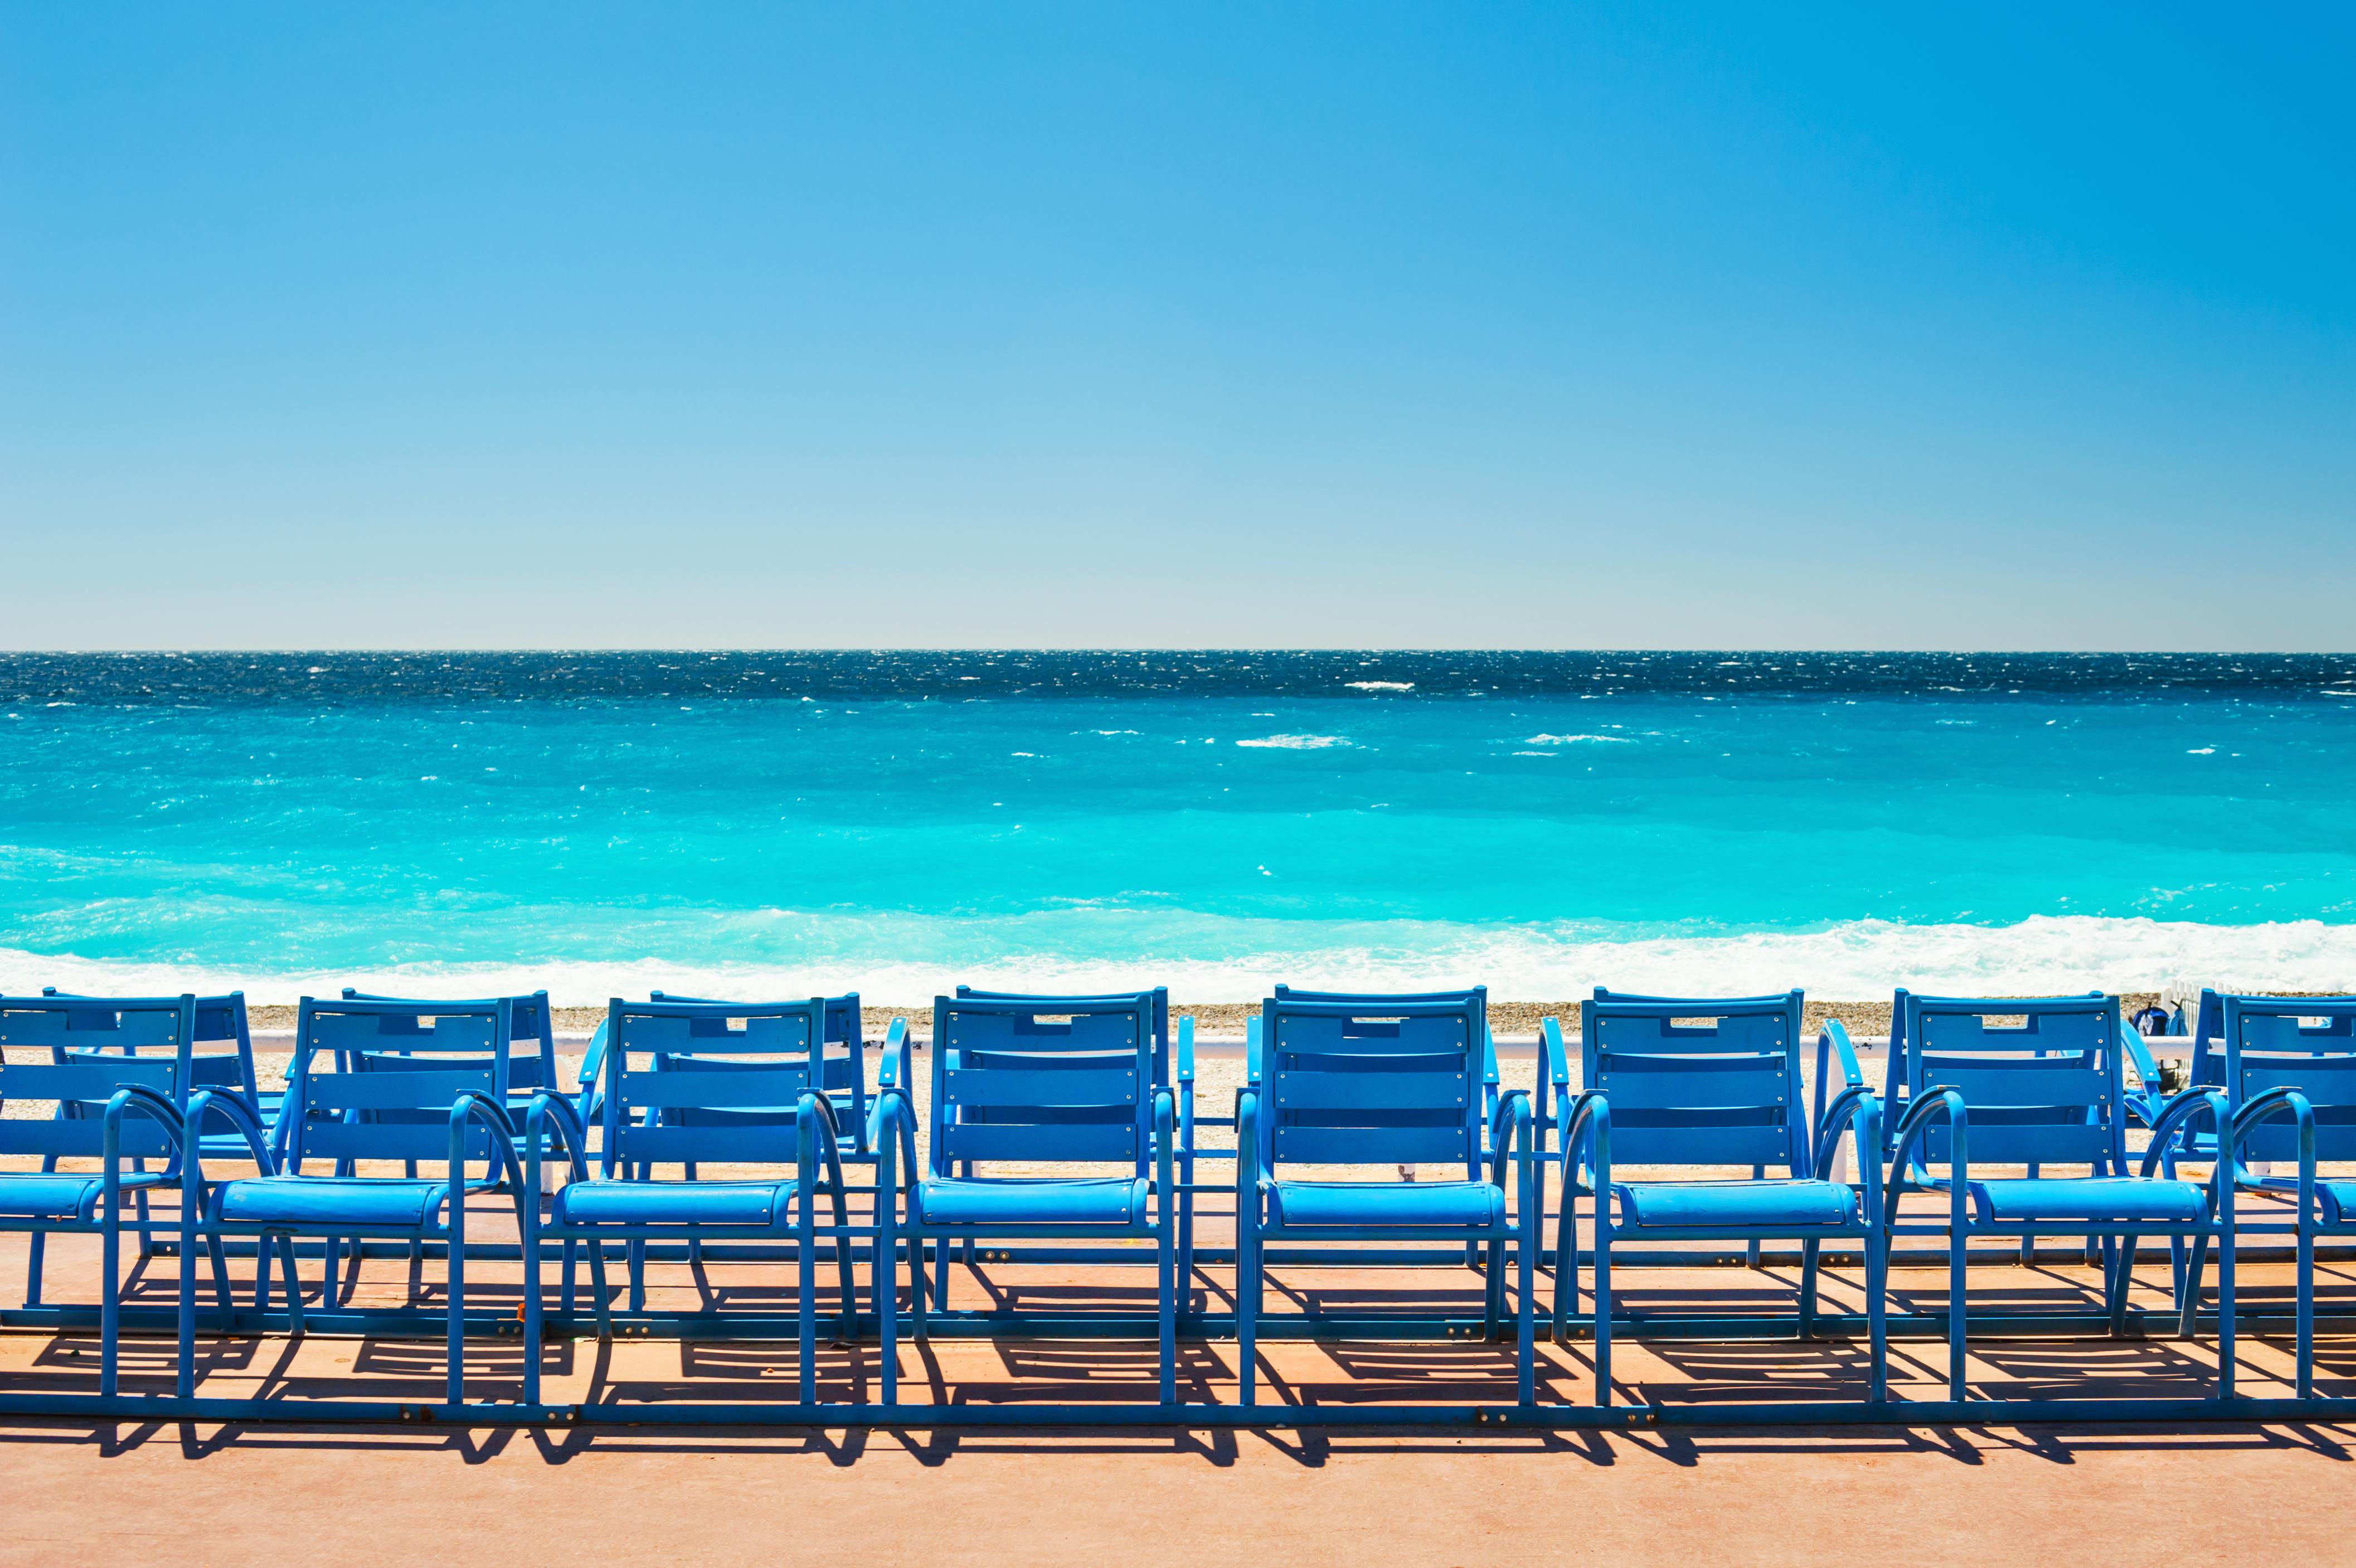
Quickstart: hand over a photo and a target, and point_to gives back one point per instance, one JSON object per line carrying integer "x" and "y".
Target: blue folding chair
{"x": 2292, "y": 1059}
{"x": 2048, "y": 1090}
{"x": 716, "y": 1073}
{"x": 1715, "y": 1081}
{"x": 1059, "y": 1083}
{"x": 364, "y": 1085}
{"x": 1377, "y": 1080}
{"x": 96, "y": 1091}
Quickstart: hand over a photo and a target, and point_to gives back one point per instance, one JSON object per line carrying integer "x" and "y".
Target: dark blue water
{"x": 788, "y": 822}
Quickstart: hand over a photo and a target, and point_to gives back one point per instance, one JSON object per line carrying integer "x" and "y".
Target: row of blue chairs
{"x": 1049, "y": 1083}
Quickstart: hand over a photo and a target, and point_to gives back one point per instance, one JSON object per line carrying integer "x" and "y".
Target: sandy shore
{"x": 1509, "y": 1018}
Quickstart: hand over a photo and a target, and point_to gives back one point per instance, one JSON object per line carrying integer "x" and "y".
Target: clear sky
{"x": 1441, "y": 325}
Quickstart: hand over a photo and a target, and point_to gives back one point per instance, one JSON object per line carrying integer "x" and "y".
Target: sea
{"x": 762, "y": 825}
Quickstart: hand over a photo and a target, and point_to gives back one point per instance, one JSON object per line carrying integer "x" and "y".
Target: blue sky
{"x": 1082, "y": 325}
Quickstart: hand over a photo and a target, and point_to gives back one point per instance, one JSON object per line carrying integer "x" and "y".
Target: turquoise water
{"x": 895, "y": 823}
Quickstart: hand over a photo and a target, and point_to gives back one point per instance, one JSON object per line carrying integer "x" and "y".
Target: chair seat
{"x": 327, "y": 1200}
{"x": 1112, "y": 1201}
{"x": 2030, "y": 1201}
{"x": 1461, "y": 1205}
{"x": 768, "y": 1203}
{"x": 29, "y": 1195}
{"x": 1747, "y": 1204}
{"x": 2339, "y": 1200}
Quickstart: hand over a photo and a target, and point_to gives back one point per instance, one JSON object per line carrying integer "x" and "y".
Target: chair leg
{"x": 1525, "y": 1356}
{"x": 941, "y": 1273}
{"x": 1603, "y": 1308}
{"x": 806, "y": 1266}
{"x": 1958, "y": 1320}
{"x": 220, "y": 1280}
{"x": 884, "y": 1285}
{"x": 1248, "y": 1288}
{"x": 2118, "y": 1276}
{"x": 110, "y": 1299}
{"x": 637, "y": 1275}
{"x": 1566, "y": 1269}
{"x": 2227, "y": 1323}
{"x": 294, "y": 1320}
{"x": 185, "y": 1385}
{"x": 1493, "y": 1289}
{"x": 34, "y": 1250}
{"x": 2306, "y": 1288}
{"x": 572, "y": 1249}
{"x": 531, "y": 1346}
{"x": 454, "y": 1276}
{"x": 2188, "y": 1296}
{"x": 1809, "y": 1247}
{"x": 599, "y": 1294}
{"x": 1167, "y": 1260}
{"x": 1877, "y": 1317}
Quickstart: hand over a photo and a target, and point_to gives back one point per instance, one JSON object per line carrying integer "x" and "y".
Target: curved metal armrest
{"x": 1940, "y": 1100}
{"x": 1592, "y": 1112}
{"x": 240, "y": 1112}
{"x": 1513, "y": 1113}
{"x": 474, "y": 1105}
{"x": 158, "y": 1109}
{"x": 1834, "y": 1036}
{"x": 2187, "y": 1104}
{"x": 1182, "y": 1070}
{"x": 1554, "y": 1066}
{"x": 1864, "y": 1109}
{"x": 1246, "y": 1152}
{"x": 559, "y": 1110}
{"x": 814, "y": 1118}
{"x": 1251, "y": 1051}
{"x": 594, "y": 1062}
{"x": 2266, "y": 1107}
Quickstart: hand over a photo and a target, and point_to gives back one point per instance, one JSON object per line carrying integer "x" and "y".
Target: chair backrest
{"x": 374, "y": 1078}
{"x": 144, "y": 1043}
{"x": 422, "y": 1045}
{"x": 1699, "y": 1080}
{"x": 1372, "y": 1080}
{"x": 1042, "y": 1081}
{"x": 720, "y": 1081}
{"x": 841, "y": 1071}
{"x": 2208, "y": 1066}
{"x": 221, "y": 1021}
{"x": 2046, "y": 1091}
{"x": 2307, "y": 1043}
{"x": 1054, "y": 1002}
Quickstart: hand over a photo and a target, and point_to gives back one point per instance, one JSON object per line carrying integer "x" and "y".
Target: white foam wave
{"x": 1297, "y": 742}
{"x": 1573, "y": 739}
{"x": 1380, "y": 685}
{"x": 908, "y": 959}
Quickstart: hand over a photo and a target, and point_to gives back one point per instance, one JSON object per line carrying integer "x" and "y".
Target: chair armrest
{"x": 1834, "y": 1036}
{"x": 559, "y": 1112}
{"x": 1509, "y": 1127}
{"x": 240, "y": 1112}
{"x": 1937, "y": 1102}
{"x": 1248, "y": 1157}
{"x": 594, "y": 1061}
{"x": 2158, "y": 1154}
{"x": 1251, "y": 1051}
{"x": 2138, "y": 1056}
{"x": 156, "y": 1108}
{"x": 474, "y": 1106}
{"x": 1859, "y": 1109}
{"x": 1590, "y": 1113}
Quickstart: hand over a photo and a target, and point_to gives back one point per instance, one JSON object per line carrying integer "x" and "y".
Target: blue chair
{"x": 221, "y": 1021}
{"x": 416, "y": 1042}
{"x": 2048, "y": 1090}
{"x": 1174, "y": 1069}
{"x": 716, "y": 1073}
{"x": 2292, "y": 1059}
{"x": 1710, "y": 1081}
{"x": 1060, "y": 1083}
{"x": 1377, "y": 1080}
{"x": 843, "y": 1072}
{"x": 96, "y": 1091}
{"x": 364, "y": 1085}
